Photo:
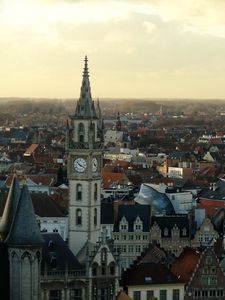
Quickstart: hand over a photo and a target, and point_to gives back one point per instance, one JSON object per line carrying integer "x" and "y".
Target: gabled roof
{"x": 30, "y": 150}
{"x": 24, "y": 230}
{"x": 149, "y": 274}
{"x": 56, "y": 254}
{"x": 131, "y": 212}
{"x": 181, "y": 221}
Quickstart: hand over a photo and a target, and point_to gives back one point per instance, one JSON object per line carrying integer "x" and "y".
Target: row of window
{"x": 79, "y": 192}
{"x": 209, "y": 280}
{"x": 209, "y": 293}
{"x": 129, "y": 248}
{"x": 162, "y": 295}
{"x": 75, "y": 294}
{"x": 78, "y": 217}
{"x": 139, "y": 237}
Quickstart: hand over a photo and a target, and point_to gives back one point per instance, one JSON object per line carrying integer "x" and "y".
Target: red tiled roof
{"x": 31, "y": 149}
{"x": 110, "y": 178}
{"x": 123, "y": 296}
{"x": 185, "y": 264}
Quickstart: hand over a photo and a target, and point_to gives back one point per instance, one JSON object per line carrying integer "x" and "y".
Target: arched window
{"x": 78, "y": 217}
{"x": 95, "y": 217}
{"x": 79, "y": 192}
{"x": 95, "y": 191}
{"x": 81, "y": 132}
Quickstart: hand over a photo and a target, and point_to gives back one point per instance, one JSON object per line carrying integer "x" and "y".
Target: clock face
{"x": 80, "y": 164}
{"x": 94, "y": 164}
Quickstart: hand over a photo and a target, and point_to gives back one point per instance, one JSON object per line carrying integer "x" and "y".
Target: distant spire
{"x": 118, "y": 122}
{"x": 85, "y": 107}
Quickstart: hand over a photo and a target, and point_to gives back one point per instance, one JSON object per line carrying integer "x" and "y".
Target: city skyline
{"x": 141, "y": 49}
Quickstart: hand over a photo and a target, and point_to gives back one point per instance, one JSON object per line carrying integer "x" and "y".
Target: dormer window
{"x": 138, "y": 224}
{"x": 123, "y": 224}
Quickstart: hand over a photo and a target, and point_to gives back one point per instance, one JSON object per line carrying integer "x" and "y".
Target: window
{"x": 76, "y": 294}
{"x": 95, "y": 217}
{"x": 163, "y": 295}
{"x": 79, "y": 192}
{"x": 184, "y": 231}
{"x": 95, "y": 192}
{"x": 176, "y": 294}
{"x": 204, "y": 280}
{"x": 137, "y": 295}
{"x": 138, "y": 248}
{"x": 131, "y": 237}
{"x": 112, "y": 269}
{"x": 124, "y": 237}
{"x": 149, "y": 294}
{"x": 213, "y": 280}
{"x": 208, "y": 260}
{"x": 78, "y": 217}
{"x": 166, "y": 232}
{"x": 55, "y": 295}
{"x": 130, "y": 248}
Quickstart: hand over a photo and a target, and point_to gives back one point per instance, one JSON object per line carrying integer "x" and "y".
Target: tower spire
{"x": 85, "y": 108}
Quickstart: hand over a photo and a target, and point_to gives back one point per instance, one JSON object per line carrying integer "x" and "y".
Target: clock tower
{"x": 84, "y": 146}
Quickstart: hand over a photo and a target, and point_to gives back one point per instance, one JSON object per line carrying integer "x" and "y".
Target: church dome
{"x": 160, "y": 202}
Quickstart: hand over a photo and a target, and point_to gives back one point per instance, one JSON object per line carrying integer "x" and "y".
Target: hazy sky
{"x": 149, "y": 48}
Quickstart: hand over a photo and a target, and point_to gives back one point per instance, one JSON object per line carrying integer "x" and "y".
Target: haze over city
{"x": 136, "y": 49}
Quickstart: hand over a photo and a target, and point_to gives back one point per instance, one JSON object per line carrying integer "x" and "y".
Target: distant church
{"x": 36, "y": 265}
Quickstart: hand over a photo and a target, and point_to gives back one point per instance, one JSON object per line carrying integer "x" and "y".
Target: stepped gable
{"x": 24, "y": 230}
{"x": 9, "y": 208}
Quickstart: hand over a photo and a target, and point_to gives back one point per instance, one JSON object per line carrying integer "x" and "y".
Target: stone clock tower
{"x": 84, "y": 146}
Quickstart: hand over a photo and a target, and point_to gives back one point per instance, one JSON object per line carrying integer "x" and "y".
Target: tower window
{"x": 78, "y": 217}
{"x": 95, "y": 217}
{"x": 79, "y": 192}
{"x": 95, "y": 192}
{"x": 81, "y": 132}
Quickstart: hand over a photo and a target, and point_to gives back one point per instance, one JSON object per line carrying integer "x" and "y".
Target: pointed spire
{"x": 85, "y": 107}
{"x": 24, "y": 230}
{"x": 10, "y": 208}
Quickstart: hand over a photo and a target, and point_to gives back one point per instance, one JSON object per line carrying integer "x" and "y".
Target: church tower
{"x": 19, "y": 231}
{"x": 84, "y": 169}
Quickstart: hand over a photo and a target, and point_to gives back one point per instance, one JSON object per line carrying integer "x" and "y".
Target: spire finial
{"x": 85, "y": 73}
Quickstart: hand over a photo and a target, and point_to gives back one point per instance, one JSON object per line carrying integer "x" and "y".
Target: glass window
{"x": 79, "y": 192}
{"x": 149, "y": 294}
{"x": 76, "y": 294}
{"x": 163, "y": 295}
{"x": 176, "y": 294}
{"x": 208, "y": 260}
{"x": 95, "y": 217}
{"x": 78, "y": 217}
{"x": 137, "y": 295}
{"x": 95, "y": 192}
{"x": 55, "y": 295}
